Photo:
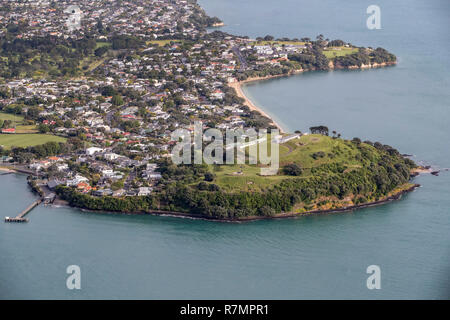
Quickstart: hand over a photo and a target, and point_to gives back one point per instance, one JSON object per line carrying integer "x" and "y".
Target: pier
{"x": 21, "y": 216}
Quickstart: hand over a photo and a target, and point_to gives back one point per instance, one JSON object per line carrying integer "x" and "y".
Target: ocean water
{"x": 325, "y": 256}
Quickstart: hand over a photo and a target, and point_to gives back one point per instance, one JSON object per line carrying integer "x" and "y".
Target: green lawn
{"x": 162, "y": 43}
{"x": 300, "y": 151}
{"x": 333, "y": 52}
{"x": 27, "y": 129}
{"x": 21, "y": 127}
{"x": 26, "y": 140}
{"x": 100, "y": 44}
{"x": 10, "y": 116}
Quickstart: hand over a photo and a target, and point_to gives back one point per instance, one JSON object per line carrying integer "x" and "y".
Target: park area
{"x": 18, "y": 122}
{"x": 27, "y": 140}
{"x": 308, "y": 151}
{"x": 333, "y": 52}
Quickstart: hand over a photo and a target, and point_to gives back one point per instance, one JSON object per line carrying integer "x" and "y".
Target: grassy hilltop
{"x": 333, "y": 173}
{"x": 309, "y": 152}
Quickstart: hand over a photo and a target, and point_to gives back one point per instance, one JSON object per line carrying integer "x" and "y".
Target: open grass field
{"x": 21, "y": 127}
{"x": 9, "y": 116}
{"x": 26, "y": 129}
{"x": 161, "y": 43}
{"x": 25, "y": 140}
{"x": 333, "y": 52}
{"x": 302, "y": 151}
{"x": 101, "y": 44}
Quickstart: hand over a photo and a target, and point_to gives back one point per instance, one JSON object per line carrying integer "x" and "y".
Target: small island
{"x": 88, "y": 115}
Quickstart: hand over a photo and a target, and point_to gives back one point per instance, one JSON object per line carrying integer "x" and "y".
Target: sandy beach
{"x": 238, "y": 88}
{"x": 6, "y": 170}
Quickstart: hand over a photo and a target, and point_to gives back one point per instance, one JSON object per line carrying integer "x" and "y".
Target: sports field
{"x": 25, "y": 140}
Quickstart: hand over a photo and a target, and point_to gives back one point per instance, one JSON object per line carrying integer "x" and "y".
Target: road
{"x": 243, "y": 63}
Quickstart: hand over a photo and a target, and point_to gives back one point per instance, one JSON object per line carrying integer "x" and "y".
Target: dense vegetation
{"x": 47, "y": 55}
{"x": 317, "y": 55}
{"x": 378, "y": 55}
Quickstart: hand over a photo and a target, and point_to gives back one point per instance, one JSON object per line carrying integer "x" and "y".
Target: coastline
{"x": 287, "y": 215}
{"x": 237, "y": 85}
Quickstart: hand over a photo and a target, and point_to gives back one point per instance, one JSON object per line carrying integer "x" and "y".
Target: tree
{"x": 267, "y": 211}
{"x": 292, "y": 169}
{"x": 68, "y": 124}
{"x": 33, "y": 113}
{"x": 117, "y": 100}
{"x": 323, "y": 130}
{"x": 108, "y": 91}
{"x": 43, "y": 128}
{"x": 101, "y": 51}
{"x": 209, "y": 176}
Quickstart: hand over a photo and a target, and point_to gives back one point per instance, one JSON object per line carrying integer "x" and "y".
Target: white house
{"x": 144, "y": 191}
{"x": 111, "y": 156}
{"x": 76, "y": 180}
{"x": 93, "y": 150}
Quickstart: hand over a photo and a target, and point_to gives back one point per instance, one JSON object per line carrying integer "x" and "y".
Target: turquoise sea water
{"x": 406, "y": 106}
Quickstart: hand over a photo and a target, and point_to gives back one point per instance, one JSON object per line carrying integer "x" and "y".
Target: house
{"x": 50, "y": 198}
{"x": 111, "y": 156}
{"x": 76, "y": 180}
{"x": 93, "y": 150}
{"x": 103, "y": 193}
{"x": 107, "y": 172}
{"x": 5, "y": 159}
{"x": 39, "y": 165}
{"x": 118, "y": 193}
{"x": 84, "y": 187}
{"x": 62, "y": 167}
{"x": 9, "y": 131}
{"x": 144, "y": 191}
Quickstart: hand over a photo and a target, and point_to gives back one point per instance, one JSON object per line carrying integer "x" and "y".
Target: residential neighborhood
{"x": 92, "y": 105}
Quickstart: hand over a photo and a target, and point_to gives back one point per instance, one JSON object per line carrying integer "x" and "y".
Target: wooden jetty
{"x": 20, "y": 217}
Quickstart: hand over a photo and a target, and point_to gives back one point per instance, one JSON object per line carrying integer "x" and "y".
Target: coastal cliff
{"x": 334, "y": 66}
